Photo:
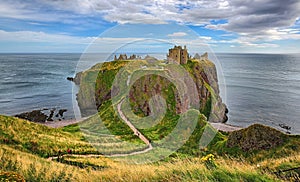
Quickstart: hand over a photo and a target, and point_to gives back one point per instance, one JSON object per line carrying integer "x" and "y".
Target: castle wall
{"x": 178, "y": 55}
{"x": 174, "y": 55}
{"x": 184, "y": 56}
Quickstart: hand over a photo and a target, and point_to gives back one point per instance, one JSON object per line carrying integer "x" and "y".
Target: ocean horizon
{"x": 259, "y": 88}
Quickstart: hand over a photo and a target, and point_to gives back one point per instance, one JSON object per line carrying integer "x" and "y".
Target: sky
{"x": 233, "y": 26}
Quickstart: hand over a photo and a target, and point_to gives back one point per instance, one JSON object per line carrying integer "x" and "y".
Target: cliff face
{"x": 205, "y": 77}
{"x": 101, "y": 77}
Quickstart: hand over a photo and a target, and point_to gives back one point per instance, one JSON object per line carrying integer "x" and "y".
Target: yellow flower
{"x": 208, "y": 157}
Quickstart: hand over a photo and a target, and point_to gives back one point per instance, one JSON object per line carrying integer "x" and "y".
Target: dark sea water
{"x": 36, "y": 81}
{"x": 260, "y": 88}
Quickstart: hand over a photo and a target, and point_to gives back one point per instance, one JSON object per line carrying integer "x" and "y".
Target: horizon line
{"x": 140, "y": 53}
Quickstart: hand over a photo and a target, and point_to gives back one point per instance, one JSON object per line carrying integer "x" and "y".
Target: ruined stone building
{"x": 203, "y": 57}
{"x": 178, "y": 55}
{"x": 121, "y": 57}
{"x": 125, "y": 57}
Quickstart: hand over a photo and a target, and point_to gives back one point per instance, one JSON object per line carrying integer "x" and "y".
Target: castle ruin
{"x": 178, "y": 55}
{"x": 125, "y": 57}
{"x": 203, "y": 57}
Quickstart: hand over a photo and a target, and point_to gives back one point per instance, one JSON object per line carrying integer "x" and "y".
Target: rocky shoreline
{"x": 54, "y": 118}
{"x": 43, "y": 115}
{"x": 62, "y": 123}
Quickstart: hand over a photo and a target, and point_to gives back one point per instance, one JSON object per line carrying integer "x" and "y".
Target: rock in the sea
{"x": 70, "y": 79}
{"x": 256, "y": 137}
{"x": 51, "y": 115}
{"x": 43, "y": 115}
{"x": 35, "y": 115}
{"x": 61, "y": 112}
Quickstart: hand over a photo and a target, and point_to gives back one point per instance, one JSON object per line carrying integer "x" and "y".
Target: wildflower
{"x": 209, "y": 161}
{"x": 209, "y": 157}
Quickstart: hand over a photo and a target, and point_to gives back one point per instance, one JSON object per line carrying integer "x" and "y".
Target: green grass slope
{"x": 21, "y": 161}
{"x": 39, "y": 139}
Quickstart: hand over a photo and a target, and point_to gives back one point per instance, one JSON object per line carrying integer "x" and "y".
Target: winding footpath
{"x": 59, "y": 124}
{"x": 123, "y": 117}
{"x": 225, "y": 127}
{"x": 132, "y": 127}
{"x": 218, "y": 126}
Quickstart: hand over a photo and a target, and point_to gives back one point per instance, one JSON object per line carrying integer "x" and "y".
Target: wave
{"x": 41, "y": 74}
{"x": 38, "y": 95}
{"x": 266, "y": 88}
{"x": 18, "y": 85}
{"x": 5, "y": 101}
{"x": 234, "y": 76}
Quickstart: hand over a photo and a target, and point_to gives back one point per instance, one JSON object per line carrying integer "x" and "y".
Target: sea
{"x": 258, "y": 88}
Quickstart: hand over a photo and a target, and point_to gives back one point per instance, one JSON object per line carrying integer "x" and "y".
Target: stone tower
{"x": 178, "y": 55}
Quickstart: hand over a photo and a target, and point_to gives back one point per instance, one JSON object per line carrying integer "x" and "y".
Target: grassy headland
{"x": 26, "y": 146}
{"x": 83, "y": 151}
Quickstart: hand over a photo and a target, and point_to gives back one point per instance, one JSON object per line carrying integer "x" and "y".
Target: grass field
{"x": 33, "y": 168}
{"x": 45, "y": 142}
{"x": 19, "y": 161}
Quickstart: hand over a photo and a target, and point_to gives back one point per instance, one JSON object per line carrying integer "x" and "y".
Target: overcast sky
{"x": 254, "y": 26}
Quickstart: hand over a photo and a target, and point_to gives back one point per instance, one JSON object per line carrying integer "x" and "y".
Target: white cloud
{"x": 127, "y": 17}
{"x": 214, "y": 27}
{"x": 177, "y": 34}
{"x": 30, "y": 36}
{"x": 259, "y": 45}
{"x": 250, "y": 42}
{"x": 257, "y": 23}
{"x": 23, "y": 10}
{"x": 242, "y": 15}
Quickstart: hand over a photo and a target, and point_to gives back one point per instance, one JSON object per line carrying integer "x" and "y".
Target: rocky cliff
{"x": 96, "y": 88}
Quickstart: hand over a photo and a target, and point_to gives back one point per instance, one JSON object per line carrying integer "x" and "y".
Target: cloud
{"x": 177, "y": 34}
{"x": 124, "y": 18}
{"x": 242, "y": 15}
{"x": 29, "y": 41}
{"x": 250, "y": 16}
{"x": 23, "y": 10}
{"x": 132, "y": 11}
{"x": 253, "y": 21}
{"x": 30, "y": 36}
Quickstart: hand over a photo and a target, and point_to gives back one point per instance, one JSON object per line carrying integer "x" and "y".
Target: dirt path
{"x": 59, "y": 124}
{"x": 225, "y": 127}
{"x": 132, "y": 127}
{"x": 101, "y": 155}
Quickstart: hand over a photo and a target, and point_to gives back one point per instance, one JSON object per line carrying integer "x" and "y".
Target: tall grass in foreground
{"x": 34, "y": 168}
{"x": 19, "y": 160}
{"x": 39, "y": 139}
